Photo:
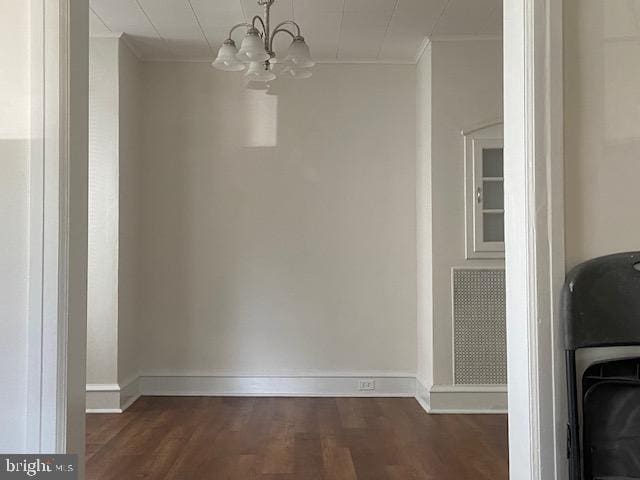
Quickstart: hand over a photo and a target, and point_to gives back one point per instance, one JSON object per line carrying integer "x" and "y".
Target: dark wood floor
{"x": 198, "y": 438}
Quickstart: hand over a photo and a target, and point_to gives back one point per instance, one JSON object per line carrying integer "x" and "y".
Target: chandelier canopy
{"x": 256, "y": 53}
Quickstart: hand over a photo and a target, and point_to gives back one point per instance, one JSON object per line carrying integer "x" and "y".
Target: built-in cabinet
{"x": 484, "y": 191}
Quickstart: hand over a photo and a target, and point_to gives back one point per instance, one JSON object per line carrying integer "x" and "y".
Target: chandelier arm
{"x": 238, "y": 26}
{"x": 253, "y": 23}
{"x": 278, "y": 30}
{"x": 289, "y": 22}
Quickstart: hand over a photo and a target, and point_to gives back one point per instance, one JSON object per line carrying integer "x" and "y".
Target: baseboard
{"x": 283, "y": 386}
{"x": 437, "y": 399}
{"x": 422, "y": 395}
{"x": 129, "y": 392}
{"x": 280, "y": 373}
{"x": 467, "y": 399}
{"x": 103, "y": 398}
{"x": 112, "y": 397}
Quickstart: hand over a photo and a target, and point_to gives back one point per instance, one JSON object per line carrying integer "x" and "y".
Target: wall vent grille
{"x": 479, "y": 325}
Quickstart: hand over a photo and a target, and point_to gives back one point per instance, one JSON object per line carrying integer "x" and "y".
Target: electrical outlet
{"x": 367, "y": 384}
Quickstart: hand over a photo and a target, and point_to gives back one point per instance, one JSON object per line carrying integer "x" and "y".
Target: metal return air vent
{"x": 479, "y": 327}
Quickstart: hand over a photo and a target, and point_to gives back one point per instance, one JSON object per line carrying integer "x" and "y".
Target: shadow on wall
{"x": 261, "y": 118}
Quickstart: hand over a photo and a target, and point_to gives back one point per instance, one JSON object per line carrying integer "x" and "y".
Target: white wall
{"x": 276, "y": 234}
{"x": 279, "y": 231}
{"x": 14, "y": 216}
{"x": 114, "y": 184}
{"x": 466, "y": 90}
{"x": 130, "y": 154}
{"x": 424, "y": 371}
{"x": 102, "y": 284}
{"x": 602, "y": 128}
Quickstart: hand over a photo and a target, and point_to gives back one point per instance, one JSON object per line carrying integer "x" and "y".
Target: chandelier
{"x": 256, "y": 53}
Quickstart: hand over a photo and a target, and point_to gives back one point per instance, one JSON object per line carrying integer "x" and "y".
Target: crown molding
{"x": 125, "y": 39}
{"x": 364, "y": 61}
{"x": 466, "y": 38}
{"x": 175, "y": 60}
{"x": 131, "y": 46}
{"x": 108, "y": 35}
{"x": 481, "y": 126}
{"x": 322, "y": 61}
{"x": 426, "y": 41}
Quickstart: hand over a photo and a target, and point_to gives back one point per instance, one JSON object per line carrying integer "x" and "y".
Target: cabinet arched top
{"x": 492, "y": 127}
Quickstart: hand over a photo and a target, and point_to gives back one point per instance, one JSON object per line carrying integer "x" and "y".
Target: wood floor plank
{"x": 223, "y": 438}
{"x": 337, "y": 462}
{"x": 278, "y": 455}
{"x": 351, "y": 414}
{"x": 308, "y": 455}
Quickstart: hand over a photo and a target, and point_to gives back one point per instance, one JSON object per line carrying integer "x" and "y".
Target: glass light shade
{"x": 226, "y": 59}
{"x": 299, "y": 73}
{"x": 251, "y": 85}
{"x": 252, "y": 48}
{"x": 277, "y": 68}
{"x": 299, "y": 55}
{"x": 258, "y": 73}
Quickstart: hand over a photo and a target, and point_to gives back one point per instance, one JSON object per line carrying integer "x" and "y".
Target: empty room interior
{"x": 296, "y": 251}
{"x": 320, "y": 239}
{"x": 296, "y": 270}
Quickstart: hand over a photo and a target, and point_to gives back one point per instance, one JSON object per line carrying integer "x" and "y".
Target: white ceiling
{"x": 342, "y": 30}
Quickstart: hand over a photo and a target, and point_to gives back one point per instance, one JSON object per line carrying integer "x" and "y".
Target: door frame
{"x": 535, "y": 264}
{"x": 535, "y": 231}
{"x": 58, "y": 226}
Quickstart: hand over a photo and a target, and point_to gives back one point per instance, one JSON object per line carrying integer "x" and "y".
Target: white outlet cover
{"x": 367, "y": 384}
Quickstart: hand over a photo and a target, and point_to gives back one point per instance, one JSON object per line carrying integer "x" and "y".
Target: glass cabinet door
{"x": 489, "y": 202}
